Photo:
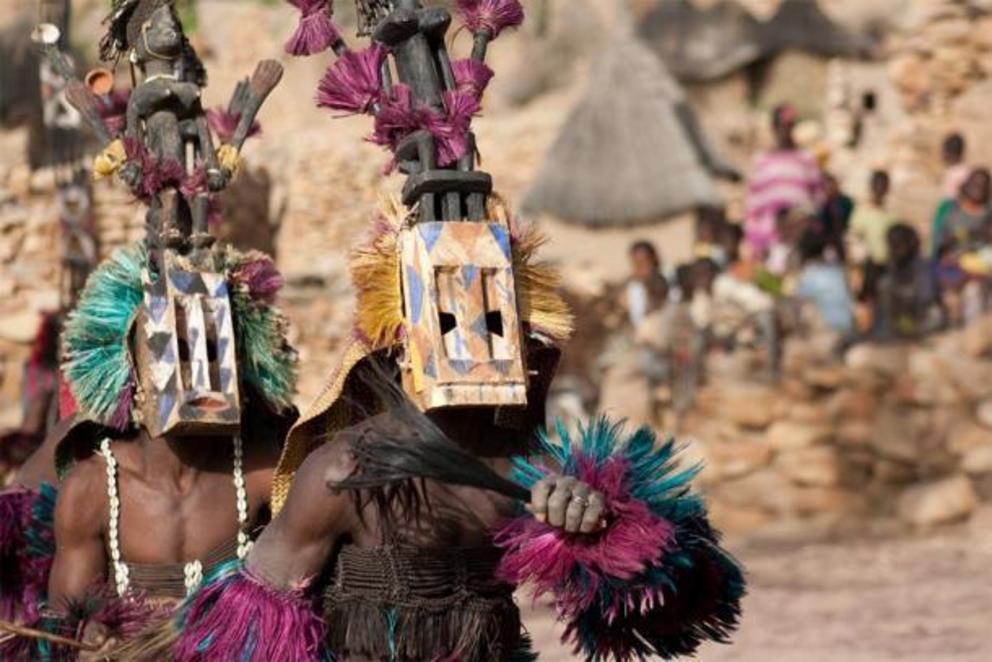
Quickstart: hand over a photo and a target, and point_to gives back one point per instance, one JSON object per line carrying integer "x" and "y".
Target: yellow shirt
{"x": 870, "y": 224}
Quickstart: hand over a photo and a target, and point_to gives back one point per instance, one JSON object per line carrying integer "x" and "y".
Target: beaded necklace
{"x": 193, "y": 570}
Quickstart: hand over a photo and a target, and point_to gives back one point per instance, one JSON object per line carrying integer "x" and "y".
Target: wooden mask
{"x": 462, "y": 330}
{"x": 185, "y": 355}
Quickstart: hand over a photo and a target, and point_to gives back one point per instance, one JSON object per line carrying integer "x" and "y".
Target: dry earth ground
{"x": 907, "y": 599}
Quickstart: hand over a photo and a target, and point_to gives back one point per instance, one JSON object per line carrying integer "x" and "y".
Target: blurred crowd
{"x": 806, "y": 258}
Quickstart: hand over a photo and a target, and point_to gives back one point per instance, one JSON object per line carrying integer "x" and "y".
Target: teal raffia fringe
{"x": 97, "y": 361}
{"x": 98, "y": 364}
{"x": 655, "y": 581}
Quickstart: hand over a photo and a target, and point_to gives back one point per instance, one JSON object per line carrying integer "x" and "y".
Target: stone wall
{"x": 894, "y": 434}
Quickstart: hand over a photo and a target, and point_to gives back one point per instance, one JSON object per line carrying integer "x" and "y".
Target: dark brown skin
{"x": 177, "y": 504}
{"x": 299, "y": 542}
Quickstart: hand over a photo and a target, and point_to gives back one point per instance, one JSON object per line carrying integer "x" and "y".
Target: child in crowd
{"x": 956, "y": 169}
{"x": 869, "y": 225}
{"x": 965, "y": 226}
{"x": 710, "y": 222}
{"x": 824, "y": 285}
{"x": 647, "y": 289}
{"x": 964, "y": 249}
{"x": 834, "y": 217}
{"x": 909, "y": 303}
{"x": 744, "y": 314}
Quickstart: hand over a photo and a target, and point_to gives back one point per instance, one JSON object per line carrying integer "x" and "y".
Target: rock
{"x": 806, "y": 412}
{"x": 854, "y": 433}
{"x": 911, "y": 75}
{"x": 19, "y": 327}
{"x": 766, "y": 489}
{"x": 978, "y": 460}
{"x": 829, "y": 378}
{"x": 737, "y": 520}
{"x": 900, "y": 434}
{"x": 816, "y": 466}
{"x": 972, "y": 379}
{"x": 938, "y": 502}
{"x": 751, "y": 407}
{"x": 819, "y": 500}
{"x": 984, "y": 413}
{"x": 787, "y": 435}
{"x": 888, "y": 360}
{"x": 891, "y": 472}
{"x": 736, "y": 459}
{"x": 976, "y": 338}
{"x": 966, "y": 436}
{"x": 850, "y": 404}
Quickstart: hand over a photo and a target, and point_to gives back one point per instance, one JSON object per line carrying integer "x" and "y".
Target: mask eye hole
{"x": 494, "y": 323}
{"x": 447, "y": 321}
{"x": 183, "y": 350}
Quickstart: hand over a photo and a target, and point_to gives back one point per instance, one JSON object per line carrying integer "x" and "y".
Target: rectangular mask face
{"x": 462, "y": 328}
{"x": 186, "y": 359}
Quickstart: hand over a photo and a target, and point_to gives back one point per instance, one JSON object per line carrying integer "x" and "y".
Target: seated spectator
{"x": 824, "y": 285}
{"x": 710, "y": 222}
{"x": 744, "y": 314}
{"x": 909, "y": 304}
{"x": 834, "y": 217}
{"x": 869, "y": 225}
{"x": 647, "y": 289}
{"x": 955, "y": 175}
{"x": 956, "y": 168}
{"x": 965, "y": 225}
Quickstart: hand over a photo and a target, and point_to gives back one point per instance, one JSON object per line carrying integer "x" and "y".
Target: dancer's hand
{"x": 567, "y": 503}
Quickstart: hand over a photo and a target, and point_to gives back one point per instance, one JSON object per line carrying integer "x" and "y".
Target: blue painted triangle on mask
{"x": 469, "y": 272}
{"x": 430, "y": 233}
{"x": 501, "y": 237}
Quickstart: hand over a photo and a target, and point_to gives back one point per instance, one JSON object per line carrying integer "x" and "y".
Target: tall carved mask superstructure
{"x": 176, "y": 333}
{"x": 460, "y": 329}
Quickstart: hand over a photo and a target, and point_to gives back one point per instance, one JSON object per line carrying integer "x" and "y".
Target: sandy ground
{"x": 906, "y": 599}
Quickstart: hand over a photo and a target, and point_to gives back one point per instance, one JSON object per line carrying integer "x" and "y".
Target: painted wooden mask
{"x": 462, "y": 330}
{"x": 185, "y": 355}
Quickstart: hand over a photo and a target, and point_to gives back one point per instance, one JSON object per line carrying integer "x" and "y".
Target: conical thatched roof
{"x": 622, "y": 156}
{"x": 703, "y": 44}
{"x": 802, "y": 25}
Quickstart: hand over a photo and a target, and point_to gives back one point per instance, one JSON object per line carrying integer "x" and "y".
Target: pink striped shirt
{"x": 780, "y": 180}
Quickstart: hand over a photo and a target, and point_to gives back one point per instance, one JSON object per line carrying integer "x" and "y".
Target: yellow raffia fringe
{"x": 229, "y": 158}
{"x": 538, "y": 283}
{"x": 375, "y": 272}
{"x": 110, "y": 160}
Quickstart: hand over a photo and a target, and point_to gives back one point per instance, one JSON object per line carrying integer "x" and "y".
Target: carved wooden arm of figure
{"x": 248, "y": 101}
{"x": 267, "y": 75}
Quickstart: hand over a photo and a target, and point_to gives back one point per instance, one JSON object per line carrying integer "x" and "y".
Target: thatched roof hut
{"x": 623, "y": 157}
{"x": 707, "y": 44}
{"x": 801, "y": 25}
{"x": 703, "y": 44}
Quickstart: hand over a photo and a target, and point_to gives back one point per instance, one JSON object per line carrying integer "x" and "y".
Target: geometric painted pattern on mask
{"x": 186, "y": 355}
{"x": 462, "y": 333}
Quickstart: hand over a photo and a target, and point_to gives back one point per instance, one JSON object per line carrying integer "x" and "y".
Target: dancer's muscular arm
{"x": 80, "y": 556}
{"x": 299, "y": 541}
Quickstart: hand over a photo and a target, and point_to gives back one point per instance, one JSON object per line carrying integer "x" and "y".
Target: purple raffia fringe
{"x": 400, "y": 115}
{"x": 354, "y": 82}
{"x": 492, "y": 16}
{"x": 261, "y": 278}
{"x": 27, "y": 547}
{"x": 315, "y": 32}
{"x": 15, "y": 512}
{"x": 575, "y": 567}
{"x": 472, "y": 76}
{"x": 225, "y": 123}
{"x": 452, "y": 132}
{"x": 239, "y": 617}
